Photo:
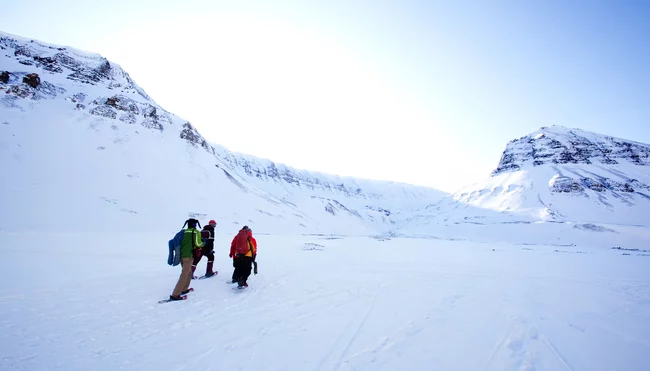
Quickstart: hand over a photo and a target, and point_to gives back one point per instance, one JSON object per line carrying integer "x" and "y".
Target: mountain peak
{"x": 561, "y": 145}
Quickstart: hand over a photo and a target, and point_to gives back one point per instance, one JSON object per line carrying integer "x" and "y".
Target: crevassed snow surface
{"x": 89, "y": 302}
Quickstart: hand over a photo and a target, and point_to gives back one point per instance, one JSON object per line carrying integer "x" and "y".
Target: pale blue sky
{"x": 424, "y": 92}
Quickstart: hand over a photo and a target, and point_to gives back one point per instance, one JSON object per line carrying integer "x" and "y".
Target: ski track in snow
{"x": 352, "y": 330}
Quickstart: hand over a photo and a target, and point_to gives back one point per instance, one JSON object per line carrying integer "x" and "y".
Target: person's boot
{"x": 174, "y": 298}
{"x": 208, "y": 270}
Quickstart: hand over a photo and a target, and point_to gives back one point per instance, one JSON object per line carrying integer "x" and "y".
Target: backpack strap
{"x": 250, "y": 248}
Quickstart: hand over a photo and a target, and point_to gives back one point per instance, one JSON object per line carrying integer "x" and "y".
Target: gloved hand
{"x": 255, "y": 267}
{"x": 230, "y": 255}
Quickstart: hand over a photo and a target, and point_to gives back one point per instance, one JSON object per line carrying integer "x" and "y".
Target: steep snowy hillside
{"x": 566, "y": 181}
{"x": 78, "y": 137}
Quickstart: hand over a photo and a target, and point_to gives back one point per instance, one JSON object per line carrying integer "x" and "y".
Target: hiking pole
{"x": 255, "y": 267}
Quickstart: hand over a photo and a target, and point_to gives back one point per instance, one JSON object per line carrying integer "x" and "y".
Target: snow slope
{"x": 81, "y": 138}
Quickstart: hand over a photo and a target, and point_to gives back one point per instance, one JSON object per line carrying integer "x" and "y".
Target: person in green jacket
{"x": 191, "y": 242}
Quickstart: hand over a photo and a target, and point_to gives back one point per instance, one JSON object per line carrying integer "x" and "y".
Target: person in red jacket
{"x": 243, "y": 250}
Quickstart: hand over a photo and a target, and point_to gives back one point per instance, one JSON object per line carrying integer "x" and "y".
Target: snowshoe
{"x": 208, "y": 276}
{"x": 173, "y": 298}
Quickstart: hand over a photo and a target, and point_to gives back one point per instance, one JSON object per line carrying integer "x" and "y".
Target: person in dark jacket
{"x": 191, "y": 242}
{"x": 243, "y": 250}
{"x": 207, "y": 235}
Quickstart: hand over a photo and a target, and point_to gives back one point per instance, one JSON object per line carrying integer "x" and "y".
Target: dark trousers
{"x": 197, "y": 259}
{"x": 243, "y": 266}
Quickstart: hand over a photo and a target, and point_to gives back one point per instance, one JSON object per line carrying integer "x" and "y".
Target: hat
{"x": 192, "y": 223}
{"x": 212, "y": 222}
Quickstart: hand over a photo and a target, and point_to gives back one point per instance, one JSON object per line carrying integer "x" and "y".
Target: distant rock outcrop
{"x": 32, "y": 80}
{"x": 561, "y": 146}
{"x": 557, "y": 145}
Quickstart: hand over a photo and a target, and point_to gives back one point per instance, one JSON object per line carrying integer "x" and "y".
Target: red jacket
{"x": 235, "y": 240}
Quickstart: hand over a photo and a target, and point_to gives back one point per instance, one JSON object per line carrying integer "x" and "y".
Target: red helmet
{"x": 212, "y": 222}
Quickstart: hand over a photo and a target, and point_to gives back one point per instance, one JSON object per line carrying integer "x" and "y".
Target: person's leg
{"x": 246, "y": 266}
{"x": 185, "y": 277}
{"x": 188, "y": 277}
{"x": 195, "y": 262}
{"x": 208, "y": 269}
{"x": 235, "y": 272}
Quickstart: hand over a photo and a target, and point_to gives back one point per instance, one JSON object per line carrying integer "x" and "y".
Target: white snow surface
{"x": 88, "y": 301}
{"x": 535, "y": 268}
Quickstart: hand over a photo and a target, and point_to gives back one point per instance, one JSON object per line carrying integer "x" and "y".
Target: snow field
{"x": 79, "y": 302}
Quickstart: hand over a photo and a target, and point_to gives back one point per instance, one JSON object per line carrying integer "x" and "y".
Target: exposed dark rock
{"x": 155, "y": 120}
{"x": 67, "y": 61}
{"x": 32, "y": 80}
{"x": 593, "y": 185}
{"x": 48, "y": 90}
{"x": 105, "y": 69}
{"x": 190, "y": 134}
{"x": 21, "y": 91}
{"x": 563, "y": 184}
{"x": 381, "y": 210}
{"x": 104, "y": 111}
{"x": 123, "y": 103}
{"x": 89, "y": 75}
{"x": 47, "y": 63}
{"x": 555, "y": 146}
{"x": 4, "y": 77}
{"x": 22, "y": 51}
{"x": 280, "y": 174}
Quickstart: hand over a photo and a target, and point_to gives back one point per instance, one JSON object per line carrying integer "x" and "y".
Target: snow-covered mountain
{"x": 79, "y": 136}
{"x": 102, "y": 176}
{"x": 555, "y": 177}
{"x": 564, "y": 174}
{"x": 80, "y": 139}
